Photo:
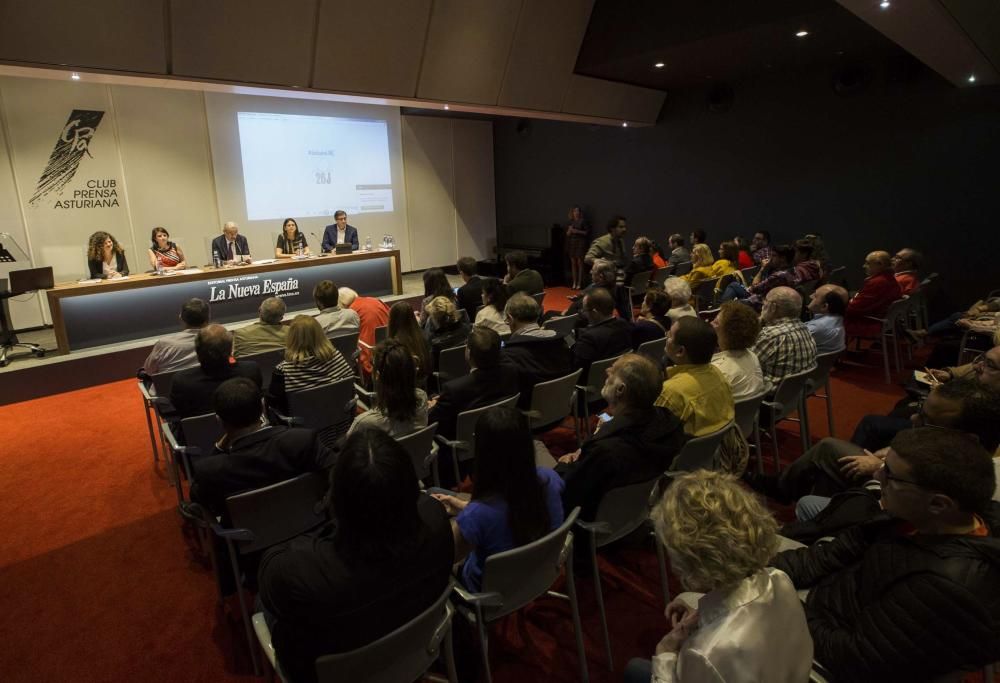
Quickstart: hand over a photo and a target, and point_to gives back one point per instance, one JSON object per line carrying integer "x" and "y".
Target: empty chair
{"x": 661, "y": 275}
{"x": 699, "y": 452}
{"x": 562, "y": 325}
{"x": 159, "y": 388}
{"x": 200, "y": 433}
{"x": 820, "y": 379}
{"x": 788, "y": 398}
{"x": 516, "y": 577}
{"x": 463, "y": 445}
{"x": 322, "y": 407}
{"x": 653, "y": 349}
{"x": 347, "y": 344}
{"x": 267, "y": 361}
{"x": 423, "y": 452}
{"x": 451, "y": 363}
{"x": 552, "y": 402}
{"x": 747, "y": 421}
{"x": 683, "y": 268}
{"x": 639, "y": 284}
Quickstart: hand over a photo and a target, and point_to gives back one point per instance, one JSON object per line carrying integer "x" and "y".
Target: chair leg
{"x": 804, "y": 434}
{"x": 449, "y": 655}
{"x": 885, "y": 359}
{"x": 661, "y": 560}
{"x": 483, "y": 644}
{"x": 454, "y": 464}
{"x": 757, "y": 444}
{"x": 581, "y": 654}
{"x": 600, "y": 600}
{"x": 248, "y": 627}
{"x": 152, "y": 435}
{"x": 829, "y": 407}
{"x": 774, "y": 442}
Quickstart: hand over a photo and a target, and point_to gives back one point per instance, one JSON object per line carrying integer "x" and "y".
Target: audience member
{"x": 702, "y": 264}
{"x": 906, "y": 269}
{"x": 577, "y": 240}
{"x": 372, "y": 313}
{"x": 913, "y": 594}
{"x": 737, "y": 327}
{"x": 727, "y": 263}
{"x": 602, "y": 275}
{"x": 447, "y": 330}
{"x": 652, "y": 321}
{"x": 785, "y": 346}
{"x": 385, "y": 559}
{"x": 513, "y": 501}
{"x": 642, "y": 259}
{"x": 760, "y": 247}
{"x": 332, "y": 317}
{"x": 191, "y": 390}
{"x": 435, "y": 284}
{"x": 697, "y": 237}
{"x": 827, "y": 305}
{"x": 469, "y": 294}
{"x": 400, "y": 407}
{"x": 494, "y": 299}
{"x": 679, "y": 292}
{"x": 609, "y": 246}
{"x": 519, "y": 277}
{"x": 267, "y": 334}
{"x": 807, "y": 268}
{"x": 311, "y": 361}
{"x": 604, "y": 336}
{"x": 537, "y": 354}
{"x": 176, "y": 351}
{"x": 746, "y": 622}
{"x": 745, "y": 258}
{"x": 877, "y": 293}
{"x": 678, "y": 252}
{"x": 776, "y": 271}
{"x": 637, "y": 444}
{"x": 403, "y": 328}
{"x": 695, "y": 391}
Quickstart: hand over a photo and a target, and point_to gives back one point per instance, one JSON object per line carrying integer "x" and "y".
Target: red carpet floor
{"x": 98, "y": 582}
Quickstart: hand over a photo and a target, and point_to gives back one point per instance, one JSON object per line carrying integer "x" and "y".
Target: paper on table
{"x": 188, "y": 271}
{"x": 265, "y": 261}
{"x": 86, "y": 281}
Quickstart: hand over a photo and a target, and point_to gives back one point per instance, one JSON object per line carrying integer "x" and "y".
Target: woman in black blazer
{"x": 105, "y": 257}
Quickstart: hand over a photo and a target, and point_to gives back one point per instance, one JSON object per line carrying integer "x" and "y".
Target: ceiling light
{"x": 884, "y": 4}
{"x": 972, "y": 78}
{"x": 624, "y": 124}
{"x": 446, "y": 106}
{"x": 802, "y": 34}
{"x": 75, "y": 76}
{"x": 659, "y": 65}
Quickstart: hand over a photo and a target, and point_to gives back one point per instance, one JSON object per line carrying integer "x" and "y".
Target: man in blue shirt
{"x": 340, "y": 233}
{"x": 828, "y": 304}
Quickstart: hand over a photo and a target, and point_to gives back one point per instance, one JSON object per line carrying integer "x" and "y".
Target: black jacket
{"x": 240, "y": 246}
{"x": 638, "y": 264}
{"x": 627, "y": 450}
{"x": 96, "y": 266}
{"x": 470, "y": 296}
{"x": 330, "y": 238}
{"x": 887, "y": 606}
{"x": 623, "y": 305}
{"x": 608, "y": 338}
{"x": 528, "y": 281}
{"x": 191, "y": 390}
{"x": 536, "y": 359}
{"x": 479, "y": 388}
{"x": 447, "y": 337}
{"x": 646, "y": 330}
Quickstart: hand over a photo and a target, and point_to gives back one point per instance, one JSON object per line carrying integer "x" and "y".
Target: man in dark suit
{"x": 470, "y": 295}
{"x": 231, "y": 245}
{"x": 605, "y": 336}
{"x": 537, "y": 354}
{"x": 192, "y": 389}
{"x": 340, "y": 233}
{"x": 521, "y": 278}
{"x": 489, "y": 382}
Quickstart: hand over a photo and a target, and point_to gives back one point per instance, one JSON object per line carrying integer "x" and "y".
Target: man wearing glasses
{"x": 913, "y": 594}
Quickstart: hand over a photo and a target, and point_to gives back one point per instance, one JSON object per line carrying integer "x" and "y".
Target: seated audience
{"x": 403, "y": 328}
{"x": 985, "y": 368}
{"x": 488, "y": 381}
{"x": 745, "y": 258}
{"x": 609, "y": 246}
{"x": 176, "y": 351}
{"x": 652, "y": 321}
{"x": 912, "y": 594}
{"x": 519, "y": 277}
{"x": 513, "y": 501}
{"x": 642, "y": 259}
{"x": 727, "y": 263}
{"x": 604, "y": 336}
{"x": 702, "y": 264}
{"x": 981, "y": 317}
{"x": 698, "y": 237}
{"x": 637, "y": 444}
{"x": 385, "y": 560}
{"x": 878, "y": 292}
{"x": 310, "y": 361}
{"x": 251, "y": 454}
{"x": 775, "y": 272}
{"x": 827, "y": 305}
{"x": 760, "y": 247}
{"x": 435, "y": 284}
{"x": 400, "y": 407}
{"x": 164, "y": 253}
{"x": 602, "y": 276}
{"x": 679, "y": 292}
{"x": 494, "y": 299}
{"x": 695, "y": 391}
{"x": 906, "y": 270}
{"x": 537, "y": 354}
{"x": 372, "y": 313}
{"x": 469, "y": 295}
{"x": 267, "y": 334}
{"x": 447, "y": 330}
{"x": 785, "y": 346}
{"x": 332, "y": 317}
{"x": 678, "y": 252}
{"x": 737, "y": 327}
{"x": 745, "y": 622}
{"x": 191, "y": 390}
{"x": 807, "y": 269}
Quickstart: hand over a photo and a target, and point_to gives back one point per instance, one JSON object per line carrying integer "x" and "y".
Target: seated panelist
{"x": 170, "y": 256}
{"x": 105, "y": 257}
{"x": 231, "y": 246}
{"x": 290, "y": 240}
{"x": 340, "y": 233}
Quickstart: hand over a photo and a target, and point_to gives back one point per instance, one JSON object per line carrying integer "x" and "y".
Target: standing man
{"x": 231, "y": 245}
{"x": 610, "y": 246}
{"x": 340, "y": 233}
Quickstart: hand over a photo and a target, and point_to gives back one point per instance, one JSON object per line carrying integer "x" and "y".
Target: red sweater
{"x": 874, "y": 299}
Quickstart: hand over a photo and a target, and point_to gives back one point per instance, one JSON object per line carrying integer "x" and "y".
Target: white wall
{"x": 171, "y": 157}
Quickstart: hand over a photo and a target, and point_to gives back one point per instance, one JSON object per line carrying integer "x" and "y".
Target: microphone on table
{"x": 320, "y": 241}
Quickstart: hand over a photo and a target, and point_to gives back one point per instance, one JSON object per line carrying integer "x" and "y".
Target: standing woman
{"x": 170, "y": 256}
{"x": 105, "y": 257}
{"x": 290, "y": 240}
{"x": 577, "y": 241}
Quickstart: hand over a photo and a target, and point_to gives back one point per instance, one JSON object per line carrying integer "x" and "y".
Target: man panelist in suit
{"x": 231, "y": 246}
{"x": 340, "y": 233}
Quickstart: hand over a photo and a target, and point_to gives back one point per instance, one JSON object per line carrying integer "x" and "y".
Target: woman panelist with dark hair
{"x": 290, "y": 241}
{"x": 105, "y": 257}
{"x": 163, "y": 252}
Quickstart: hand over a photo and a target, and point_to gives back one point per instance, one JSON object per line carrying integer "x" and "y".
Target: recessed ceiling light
{"x": 447, "y": 107}
{"x": 972, "y": 78}
{"x": 885, "y": 4}
{"x": 802, "y": 34}
{"x": 75, "y": 76}
{"x": 624, "y": 124}
{"x": 659, "y": 65}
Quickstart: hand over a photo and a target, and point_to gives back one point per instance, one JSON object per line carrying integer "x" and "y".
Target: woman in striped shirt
{"x": 169, "y": 255}
{"x": 310, "y": 361}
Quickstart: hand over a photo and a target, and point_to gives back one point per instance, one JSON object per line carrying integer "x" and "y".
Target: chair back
{"x": 640, "y": 281}
{"x": 278, "y": 512}
{"x": 465, "y": 426}
{"x": 749, "y": 273}
{"x": 824, "y": 364}
{"x": 596, "y": 375}
{"x": 522, "y": 574}
{"x": 653, "y": 349}
{"x": 347, "y": 344}
{"x": 789, "y": 393}
{"x": 622, "y": 510}
{"x": 324, "y": 406}
{"x": 562, "y": 325}
{"x": 162, "y": 381}
{"x": 402, "y": 655}
{"x": 661, "y": 275}
{"x": 201, "y": 432}
{"x": 268, "y": 360}
{"x": 699, "y": 453}
{"x": 897, "y": 313}
{"x": 747, "y": 410}
{"x": 836, "y": 276}
{"x": 725, "y": 281}
{"x": 418, "y": 445}
{"x": 451, "y": 364}
{"x": 683, "y": 268}
{"x": 539, "y": 299}
{"x": 552, "y": 401}
{"x": 381, "y": 334}
{"x": 704, "y": 293}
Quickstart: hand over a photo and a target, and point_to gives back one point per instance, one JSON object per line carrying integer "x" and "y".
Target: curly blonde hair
{"x": 716, "y": 531}
{"x": 442, "y": 311}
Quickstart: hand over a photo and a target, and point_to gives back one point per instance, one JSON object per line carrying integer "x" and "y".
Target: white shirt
{"x": 172, "y": 352}
{"x": 338, "y": 319}
{"x": 676, "y": 314}
{"x": 742, "y": 369}
{"x": 493, "y": 319}
{"x": 341, "y": 235}
{"x": 755, "y": 632}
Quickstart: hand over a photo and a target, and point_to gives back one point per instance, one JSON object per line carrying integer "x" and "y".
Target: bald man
{"x": 231, "y": 246}
{"x": 784, "y": 346}
{"x": 877, "y": 293}
{"x": 827, "y": 305}
{"x": 905, "y": 268}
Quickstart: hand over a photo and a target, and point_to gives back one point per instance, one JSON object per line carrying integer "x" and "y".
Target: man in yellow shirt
{"x": 695, "y": 391}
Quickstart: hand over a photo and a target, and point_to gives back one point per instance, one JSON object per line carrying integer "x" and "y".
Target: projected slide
{"x": 300, "y": 166}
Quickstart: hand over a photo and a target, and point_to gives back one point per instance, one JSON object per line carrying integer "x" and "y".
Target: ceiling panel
{"x": 595, "y": 97}
{"x": 546, "y": 43}
{"x": 981, "y": 20}
{"x": 121, "y": 35}
{"x": 468, "y": 43}
{"x": 255, "y": 41}
{"x": 371, "y": 47}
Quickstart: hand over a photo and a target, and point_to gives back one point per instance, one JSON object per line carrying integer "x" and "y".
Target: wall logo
{"x": 73, "y": 143}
